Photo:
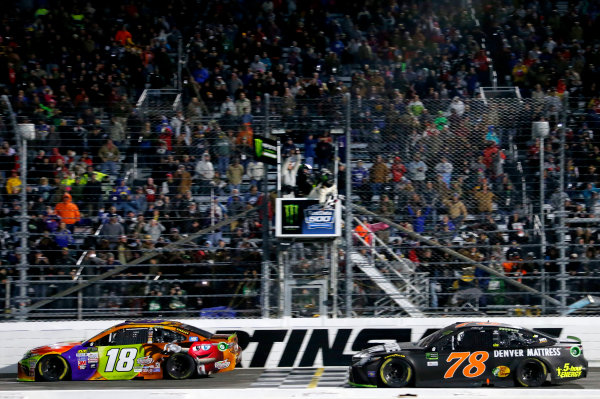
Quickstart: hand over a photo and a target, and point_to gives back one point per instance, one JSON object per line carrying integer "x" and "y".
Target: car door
{"x": 464, "y": 356}
{"x": 119, "y": 352}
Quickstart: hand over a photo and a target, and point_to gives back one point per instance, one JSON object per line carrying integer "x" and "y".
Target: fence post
{"x": 562, "y": 246}
{"x": 265, "y": 269}
{"x": 348, "y": 209}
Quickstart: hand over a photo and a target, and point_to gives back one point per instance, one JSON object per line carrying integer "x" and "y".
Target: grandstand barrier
{"x": 288, "y": 342}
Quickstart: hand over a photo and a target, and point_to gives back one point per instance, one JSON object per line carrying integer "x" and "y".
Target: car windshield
{"x": 431, "y": 338}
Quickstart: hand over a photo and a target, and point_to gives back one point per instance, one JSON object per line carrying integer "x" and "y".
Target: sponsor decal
{"x": 543, "y": 352}
{"x": 509, "y": 353}
{"x": 432, "y": 363}
{"x": 568, "y": 371}
{"x": 223, "y": 364}
{"x": 316, "y": 217}
{"x": 81, "y": 364}
{"x": 394, "y": 355}
{"x": 431, "y": 356}
{"x": 203, "y": 347}
{"x": 527, "y": 352}
{"x": 508, "y": 329}
{"x": 575, "y": 351}
{"x": 543, "y": 340}
{"x": 92, "y": 357}
{"x": 181, "y": 330}
{"x": 222, "y": 346}
{"x": 371, "y": 374}
{"x": 291, "y": 214}
{"x": 393, "y": 347}
{"x": 93, "y": 365}
{"x": 137, "y": 369}
{"x": 82, "y": 351}
{"x": 156, "y": 369}
{"x": 501, "y": 371}
{"x": 144, "y": 360}
{"x": 194, "y": 339}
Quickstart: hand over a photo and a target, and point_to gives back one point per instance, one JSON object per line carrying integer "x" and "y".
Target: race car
{"x": 471, "y": 354}
{"x": 149, "y": 349}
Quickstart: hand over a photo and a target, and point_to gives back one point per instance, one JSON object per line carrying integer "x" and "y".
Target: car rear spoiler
{"x": 574, "y": 338}
{"x": 224, "y": 337}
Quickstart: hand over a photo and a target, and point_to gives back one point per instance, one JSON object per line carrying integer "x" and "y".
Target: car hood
{"x": 393, "y": 348}
{"x": 58, "y": 347}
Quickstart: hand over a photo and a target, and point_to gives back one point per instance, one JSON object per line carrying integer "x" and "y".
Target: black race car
{"x": 471, "y": 354}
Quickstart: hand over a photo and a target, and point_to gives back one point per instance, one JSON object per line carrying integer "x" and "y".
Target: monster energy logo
{"x": 291, "y": 213}
{"x": 258, "y": 147}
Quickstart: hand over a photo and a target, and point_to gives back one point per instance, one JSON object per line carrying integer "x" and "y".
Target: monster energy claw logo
{"x": 258, "y": 147}
{"x": 291, "y": 213}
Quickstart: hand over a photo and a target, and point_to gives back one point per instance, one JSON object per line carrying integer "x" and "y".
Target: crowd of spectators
{"x": 436, "y": 157}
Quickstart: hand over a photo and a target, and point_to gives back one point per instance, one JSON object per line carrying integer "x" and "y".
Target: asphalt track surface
{"x": 297, "y": 378}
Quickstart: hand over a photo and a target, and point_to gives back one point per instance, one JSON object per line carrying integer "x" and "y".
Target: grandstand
{"x": 452, "y": 204}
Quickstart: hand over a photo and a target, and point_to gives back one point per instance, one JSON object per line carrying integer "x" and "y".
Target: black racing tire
{"x": 531, "y": 373}
{"x": 395, "y": 373}
{"x": 52, "y": 368}
{"x": 180, "y": 366}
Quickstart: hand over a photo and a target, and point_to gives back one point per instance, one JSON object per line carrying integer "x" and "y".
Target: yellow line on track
{"x": 316, "y": 377}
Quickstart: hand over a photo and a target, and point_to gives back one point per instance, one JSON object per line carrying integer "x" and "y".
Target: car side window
{"x": 513, "y": 338}
{"x": 445, "y": 344}
{"x": 474, "y": 339}
{"x": 161, "y": 335}
{"x": 125, "y": 336}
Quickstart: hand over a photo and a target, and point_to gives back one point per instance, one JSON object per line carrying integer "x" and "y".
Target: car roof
{"x": 164, "y": 323}
{"x": 471, "y": 324}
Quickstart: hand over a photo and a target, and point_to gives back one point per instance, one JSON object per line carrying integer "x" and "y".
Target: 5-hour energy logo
{"x": 568, "y": 371}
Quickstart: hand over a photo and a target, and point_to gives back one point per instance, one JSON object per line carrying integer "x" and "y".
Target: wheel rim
{"x": 178, "y": 366}
{"x": 52, "y": 368}
{"x": 395, "y": 373}
{"x": 532, "y": 373}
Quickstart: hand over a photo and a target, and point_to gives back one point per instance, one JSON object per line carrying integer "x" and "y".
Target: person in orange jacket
{"x": 68, "y": 211}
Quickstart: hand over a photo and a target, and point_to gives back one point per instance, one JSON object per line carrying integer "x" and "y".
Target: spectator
{"x": 154, "y": 229}
{"x": 110, "y": 156}
{"x": 112, "y": 231}
{"x": 323, "y": 153}
{"x": 456, "y": 210}
{"x": 417, "y": 170}
{"x": 255, "y": 172}
{"x": 13, "y": 184}
{"x": 379, "y": 175}
{"x": 444, "y": 169}
{"x": 235, "y": 173}
{"x": 205, "y": 172}
{"x": 63, "y": 237}
{"x": 67, "y": 211}
{"x": 289, "y": 171}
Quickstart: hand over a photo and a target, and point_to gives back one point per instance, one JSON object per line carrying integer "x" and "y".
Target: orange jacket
{"x": 67, "y": 210}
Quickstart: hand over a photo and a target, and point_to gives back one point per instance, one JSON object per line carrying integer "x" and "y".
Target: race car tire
{"x": 52, "y": 368}
{"x": 395, "y": 373}
{"x": 180, "y": 366}
{"x": 531, "y": 373}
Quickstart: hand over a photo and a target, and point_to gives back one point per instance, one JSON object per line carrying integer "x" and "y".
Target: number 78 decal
{"x": 474, "y": 368}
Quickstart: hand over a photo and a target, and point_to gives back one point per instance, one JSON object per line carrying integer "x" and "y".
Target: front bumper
{"x": 359, "y": 377}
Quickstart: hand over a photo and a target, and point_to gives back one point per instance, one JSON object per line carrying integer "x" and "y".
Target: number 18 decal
{"x": 124, "y": 359}
{"x": 474, "y": 368}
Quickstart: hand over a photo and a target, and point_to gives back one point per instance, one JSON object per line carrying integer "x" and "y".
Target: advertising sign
{"x": 306, "y": 218}
{"x": 265, "y": 150}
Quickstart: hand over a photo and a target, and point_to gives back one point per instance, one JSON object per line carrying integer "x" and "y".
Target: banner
{"x": 265, "y": 150}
